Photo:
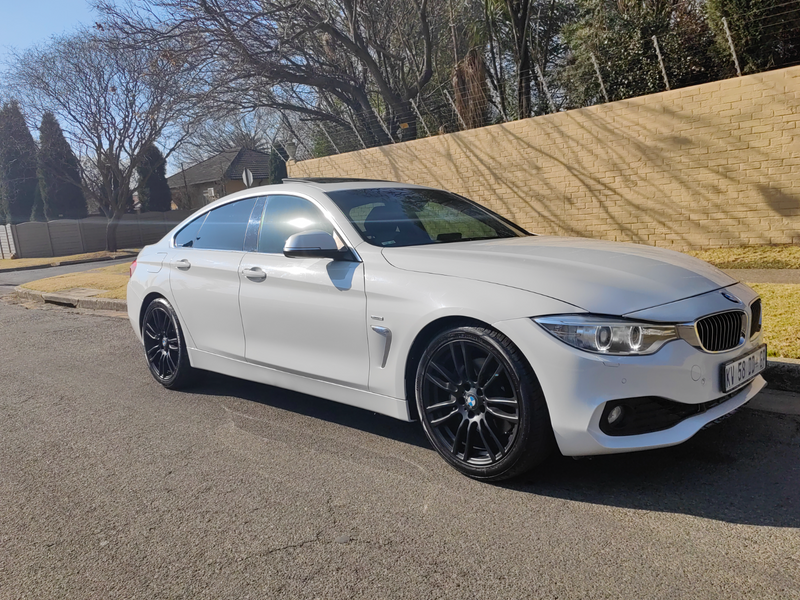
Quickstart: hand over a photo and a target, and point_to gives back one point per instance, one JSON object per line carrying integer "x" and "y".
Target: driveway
{"x": 111, "y": 486}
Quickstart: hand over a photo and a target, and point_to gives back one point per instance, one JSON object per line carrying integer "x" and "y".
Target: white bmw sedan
{"x": 419, "y": 304}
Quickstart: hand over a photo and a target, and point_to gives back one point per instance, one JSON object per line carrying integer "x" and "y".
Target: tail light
{"x": 132, "y": 269}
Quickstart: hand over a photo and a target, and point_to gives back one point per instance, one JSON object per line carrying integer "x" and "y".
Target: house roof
{"x": 226, "y": 165}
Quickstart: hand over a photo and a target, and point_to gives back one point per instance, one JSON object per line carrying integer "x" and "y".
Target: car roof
{"x": 298, "y": 184}
{"x": 333, "y": 184}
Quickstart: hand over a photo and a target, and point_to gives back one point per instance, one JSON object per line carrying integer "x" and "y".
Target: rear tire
{"x": 164, "y": 346}
{"x": 481, "y": 405}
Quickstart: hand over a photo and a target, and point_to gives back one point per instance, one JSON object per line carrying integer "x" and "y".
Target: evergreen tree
{"x": 37, "y": 214}
{"x": 619, "y": 33}
{"x": 154, "y": 192}
{"x": 59, "y": 177}
{"x": 765, "y": 33}
{"x": 17, "y": 164}
{"x": 277, "y": 164}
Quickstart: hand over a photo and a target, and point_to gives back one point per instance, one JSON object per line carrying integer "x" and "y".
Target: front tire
{"x": 164, "y": 346}
{"x": 481, "y": 405}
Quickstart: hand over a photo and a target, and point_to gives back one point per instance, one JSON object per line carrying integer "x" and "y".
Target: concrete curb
{"x": 121, "y": 255}
{"x": 783, "y": 374}
{"x": 73, "y": 301}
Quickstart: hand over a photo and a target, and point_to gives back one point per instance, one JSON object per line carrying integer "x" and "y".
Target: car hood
{"x": 601, "y": 277}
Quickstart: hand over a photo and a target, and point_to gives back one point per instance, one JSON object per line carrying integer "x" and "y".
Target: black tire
{"x": 164, "y": 346}
{"x": 481, "y": 405}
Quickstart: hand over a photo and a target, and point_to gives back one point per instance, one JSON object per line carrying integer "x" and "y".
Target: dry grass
{"x": 752, "y": 257}
{"x": 781, "y": 309}
{"x": 113, "y": 278}
{"x": 17, "y": 263}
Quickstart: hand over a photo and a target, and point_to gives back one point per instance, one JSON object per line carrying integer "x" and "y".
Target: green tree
{"x": 619, "y": 33}
{"x": 17, "y": 164}
{"x": 37, "y": 213}
{"x": 154, "y": 192}
{"x": 59, "y": 175}
{"x": 277, "y": 164}
{"x": 765, "y": 33}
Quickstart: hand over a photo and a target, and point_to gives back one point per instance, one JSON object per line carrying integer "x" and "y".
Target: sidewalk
{"x": 61, "y": 261}
{"x": 765, "y": 275}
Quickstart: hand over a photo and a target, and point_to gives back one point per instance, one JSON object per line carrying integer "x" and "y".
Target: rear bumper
{"x": 577, "y": 385}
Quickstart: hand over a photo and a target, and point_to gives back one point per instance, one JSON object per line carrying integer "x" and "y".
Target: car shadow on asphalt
{"x": 215, "y": 384}
{"x": 745, "y": 470}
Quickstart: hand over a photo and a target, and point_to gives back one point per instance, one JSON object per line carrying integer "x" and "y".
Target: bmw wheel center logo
{"x": 471, "y": 401}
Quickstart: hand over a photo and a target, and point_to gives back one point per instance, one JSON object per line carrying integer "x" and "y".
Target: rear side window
{"x": 186, "y": 236}
{"x": 222, "y": 229}
{"x": 285, "y": 216}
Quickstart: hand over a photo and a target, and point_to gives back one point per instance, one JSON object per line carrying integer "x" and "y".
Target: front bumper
{"x": 577, "y": 385}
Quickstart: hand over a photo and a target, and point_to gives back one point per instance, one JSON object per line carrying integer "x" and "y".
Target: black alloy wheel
{"x": 164, "y": 347}
{"x": 481, "y": 405}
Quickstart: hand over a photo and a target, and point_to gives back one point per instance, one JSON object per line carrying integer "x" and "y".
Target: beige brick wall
{"x": 711, "y": 165}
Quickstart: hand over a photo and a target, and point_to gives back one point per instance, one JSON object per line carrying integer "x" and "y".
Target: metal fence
{"x": 67, "y": 236}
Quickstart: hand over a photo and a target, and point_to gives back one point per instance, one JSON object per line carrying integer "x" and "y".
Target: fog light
{"x": 615, "y": 414}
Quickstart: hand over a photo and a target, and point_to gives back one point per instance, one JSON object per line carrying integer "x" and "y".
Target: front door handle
{"x": 183, "y": 264}
{"x": 254, "y": 273}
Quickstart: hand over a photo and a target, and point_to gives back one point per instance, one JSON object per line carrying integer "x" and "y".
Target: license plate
{"x": 740, "y": 371}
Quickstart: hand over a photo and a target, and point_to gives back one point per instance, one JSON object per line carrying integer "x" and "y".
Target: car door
{"x": 204, "y": 277}
{"x": 303, "y": 315}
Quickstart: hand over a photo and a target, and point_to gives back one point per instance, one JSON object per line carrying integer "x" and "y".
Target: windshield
{"x": 393, "y": 217}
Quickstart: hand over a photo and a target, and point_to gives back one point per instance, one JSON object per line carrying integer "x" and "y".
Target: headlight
{"x": 605, "y": 335}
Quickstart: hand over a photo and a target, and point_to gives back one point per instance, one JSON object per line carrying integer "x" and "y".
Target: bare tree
{"x": 113, "y": 103}
{"x": 252, "y": 129}
{"x": 324, "y": 59}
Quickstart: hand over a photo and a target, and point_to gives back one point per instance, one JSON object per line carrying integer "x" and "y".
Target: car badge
{"x": 731, "y": 297}
{"x": 472, "y": 401}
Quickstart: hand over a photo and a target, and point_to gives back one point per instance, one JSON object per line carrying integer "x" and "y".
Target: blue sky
{"x": 26, "y": 22}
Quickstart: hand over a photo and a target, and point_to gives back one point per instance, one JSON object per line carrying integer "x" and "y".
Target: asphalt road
{"x": 112, "y": 487}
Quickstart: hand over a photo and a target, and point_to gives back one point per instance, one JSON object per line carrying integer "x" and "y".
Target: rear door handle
{"x": 183, "y": 264}
{"x": 254, "y": 273}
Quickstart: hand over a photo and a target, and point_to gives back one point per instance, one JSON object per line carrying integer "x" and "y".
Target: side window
{"x": 224, "y": 227}
{"x": 285, "y": 216}
{"x": 186, "y": 236}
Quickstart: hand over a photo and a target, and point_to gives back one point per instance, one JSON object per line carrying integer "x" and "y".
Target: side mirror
{"x": 314, "y": 244}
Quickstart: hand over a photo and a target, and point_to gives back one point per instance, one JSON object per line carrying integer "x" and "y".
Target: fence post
{"x": 661, "y": 62}
{"x": 545, "y": 88}
{"x": 325, "y": 131}
{"x": 730, "y": 43}
{"x": 80, "y": 234}
{"x": 421, "y": 120}
{"x": 49, "y": 239}
{"x": 14, "y": 240}
{"x": 458, "y": 114}
{"x": 599, "y": 77}
{"x": 358, "y": 135}
{"x": 383, "y": 125}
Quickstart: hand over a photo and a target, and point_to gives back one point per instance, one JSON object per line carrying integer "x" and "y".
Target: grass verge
{"x": 17, "y": 263}
{"x": 114, "y": 279}
{"x": 781, "y": 308}
{"x": 752, "y": 257}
